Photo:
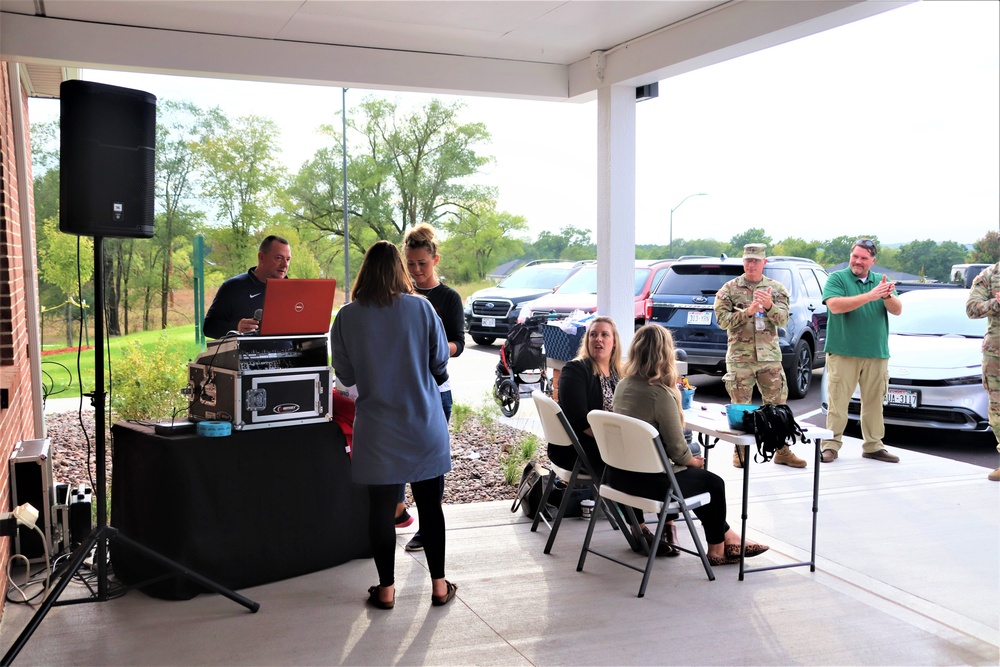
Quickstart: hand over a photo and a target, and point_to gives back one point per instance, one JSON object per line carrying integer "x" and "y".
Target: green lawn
{"x": 63, "y": 381}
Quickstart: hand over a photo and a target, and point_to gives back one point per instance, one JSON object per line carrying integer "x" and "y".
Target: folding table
{"x": 709, "y": 421}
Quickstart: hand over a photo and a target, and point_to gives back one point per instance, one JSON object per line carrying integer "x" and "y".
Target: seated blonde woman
{"x": 588, "y": 383}
{"x": 648, "y": 391}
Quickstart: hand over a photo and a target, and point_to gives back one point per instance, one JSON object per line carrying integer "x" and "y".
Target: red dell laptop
{"x": 297, "y": 307}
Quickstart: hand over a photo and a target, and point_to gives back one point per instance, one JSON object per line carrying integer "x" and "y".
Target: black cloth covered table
{"x": 251, "y": 508}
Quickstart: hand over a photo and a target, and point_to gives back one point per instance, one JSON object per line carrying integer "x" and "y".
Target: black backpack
{"x": 773, "y": 427}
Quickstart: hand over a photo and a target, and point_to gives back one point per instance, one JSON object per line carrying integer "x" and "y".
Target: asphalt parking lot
{"x": 974, "y": 448}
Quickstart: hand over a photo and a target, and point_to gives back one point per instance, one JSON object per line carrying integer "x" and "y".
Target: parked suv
{"x": 490, "y": 313}
{"x": 579, "y": 292}
{"x": 683, "y": 302}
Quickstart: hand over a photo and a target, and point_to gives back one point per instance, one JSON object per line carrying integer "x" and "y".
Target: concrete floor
{"x": 908, "y": 573}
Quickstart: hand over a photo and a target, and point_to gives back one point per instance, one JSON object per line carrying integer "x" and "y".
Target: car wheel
{"x": 799, "y": 374}
{"x": 483, "y": 340}
{"x": 507, "y": 396}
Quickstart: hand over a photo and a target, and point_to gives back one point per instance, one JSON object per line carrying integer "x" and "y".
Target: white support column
{"x": 616, "y": 207}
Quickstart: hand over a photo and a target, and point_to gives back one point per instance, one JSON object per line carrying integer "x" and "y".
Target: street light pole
{"x": 697, "y": 194}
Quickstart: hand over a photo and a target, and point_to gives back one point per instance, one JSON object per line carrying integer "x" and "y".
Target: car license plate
{"x": 699, "y": 317}
{"x": 489, "y": 322}
{"x": 904, "y": 397}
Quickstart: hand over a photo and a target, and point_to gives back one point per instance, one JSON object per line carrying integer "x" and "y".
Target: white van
{"x": 964, "y": 274}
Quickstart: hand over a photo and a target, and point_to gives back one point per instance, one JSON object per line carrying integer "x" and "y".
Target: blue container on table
{"x": 560, "y": 345}
{"x": 735, "y": 412}
{"x": 687, "y": 395}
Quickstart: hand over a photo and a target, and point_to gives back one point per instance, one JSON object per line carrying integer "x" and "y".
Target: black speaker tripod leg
{"x": 100, "y": 536}
{"x": 80, "y": 555}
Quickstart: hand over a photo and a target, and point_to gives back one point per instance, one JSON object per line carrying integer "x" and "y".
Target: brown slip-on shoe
{"x": 829, "y": 456}
{"x": 733, "y": 550}
{"x": 994, "y": 476}
{"x": 881, "y": 455}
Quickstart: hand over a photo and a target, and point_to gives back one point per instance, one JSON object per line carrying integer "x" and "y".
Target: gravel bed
{"x": 476, "y": 475}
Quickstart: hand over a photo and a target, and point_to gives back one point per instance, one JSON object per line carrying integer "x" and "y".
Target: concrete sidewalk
{"x": 907, "y": 574}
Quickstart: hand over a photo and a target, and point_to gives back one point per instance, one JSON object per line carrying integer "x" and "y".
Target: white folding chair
{"x": 631, "y": 444}
{"x": 558, "y": 432}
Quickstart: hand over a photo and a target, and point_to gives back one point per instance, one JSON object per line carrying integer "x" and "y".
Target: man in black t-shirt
{"x": 241, "y": 296}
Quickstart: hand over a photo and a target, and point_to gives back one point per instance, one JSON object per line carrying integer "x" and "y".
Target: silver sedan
{"x": 935, "y": 365}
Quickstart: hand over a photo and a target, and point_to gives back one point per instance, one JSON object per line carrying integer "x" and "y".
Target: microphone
{"x": 258, "y": 314}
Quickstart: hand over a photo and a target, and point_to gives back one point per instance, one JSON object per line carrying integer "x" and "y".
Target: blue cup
{"x": 687, "y": 395}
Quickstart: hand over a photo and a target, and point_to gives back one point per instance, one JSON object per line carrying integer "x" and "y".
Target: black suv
{"x": 683, "y": 302}
{"x": 490, "y": 313}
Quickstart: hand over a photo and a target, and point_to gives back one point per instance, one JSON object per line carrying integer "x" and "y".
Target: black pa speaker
{"x": 106, "y": 164}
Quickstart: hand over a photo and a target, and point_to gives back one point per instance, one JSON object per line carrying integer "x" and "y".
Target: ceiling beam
{"x": 38, "y": 39}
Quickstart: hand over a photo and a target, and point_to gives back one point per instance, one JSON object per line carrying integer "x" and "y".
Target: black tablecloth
{"x": 255, "y": 507}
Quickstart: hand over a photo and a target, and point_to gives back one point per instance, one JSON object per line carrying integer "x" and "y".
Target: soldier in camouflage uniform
{"x": 754, "y": 357}
{"x": 984, "y": 301}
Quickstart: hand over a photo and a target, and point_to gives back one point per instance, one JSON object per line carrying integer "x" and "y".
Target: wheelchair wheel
{"x": 507, "y": 396}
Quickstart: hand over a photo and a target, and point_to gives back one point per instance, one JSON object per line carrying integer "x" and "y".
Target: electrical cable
{"x": 27, "y": 568}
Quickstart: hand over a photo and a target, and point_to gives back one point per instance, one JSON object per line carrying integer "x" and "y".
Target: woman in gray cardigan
{"x": 648, "y": 391}
{"x": 390, "y": 344}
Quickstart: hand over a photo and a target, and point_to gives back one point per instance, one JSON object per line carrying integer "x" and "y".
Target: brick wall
{"x": 15, "y": 419}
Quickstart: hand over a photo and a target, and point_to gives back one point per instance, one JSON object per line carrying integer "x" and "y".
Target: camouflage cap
{"x": 755, "y": 251}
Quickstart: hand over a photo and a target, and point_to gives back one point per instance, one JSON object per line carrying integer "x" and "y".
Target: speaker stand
{"x": 104, "y": 533}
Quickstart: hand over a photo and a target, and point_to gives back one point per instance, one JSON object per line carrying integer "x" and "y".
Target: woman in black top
{"x": 421, "y": 250}
{"x": 588, "y": 383}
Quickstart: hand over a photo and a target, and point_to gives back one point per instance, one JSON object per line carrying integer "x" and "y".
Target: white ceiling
{"x": 527, "y": 49}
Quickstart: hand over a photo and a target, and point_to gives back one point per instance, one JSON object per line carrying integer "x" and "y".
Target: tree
{"x": 837, "y": 250}
{"x": 709, "y": 247}
{"x": 930, "y": 259}
{"x": 177, "y": 162}
{"x": 752, "y": 235}
{"x": 987, "y": 249}
{"x": 405, "y": 168}
{"x": 796, "y": 247}
{"x": 570, "y": 243}
{"x": 242, "y": 173}
{"x": 45, "y": 167}
{"x": 67, "y": 262}
{"x": 475, "y": 241}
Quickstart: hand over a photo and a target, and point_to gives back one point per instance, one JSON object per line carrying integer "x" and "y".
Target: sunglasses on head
{"x": 867, "y": 244}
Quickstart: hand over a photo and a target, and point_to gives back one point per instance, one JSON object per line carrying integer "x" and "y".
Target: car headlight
{"x": 968, "y": 379}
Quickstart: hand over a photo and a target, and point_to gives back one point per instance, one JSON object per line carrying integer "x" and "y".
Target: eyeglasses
{"x": 867, "y": 244}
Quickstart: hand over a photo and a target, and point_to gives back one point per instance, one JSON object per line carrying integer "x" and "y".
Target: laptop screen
{"x": 297, "y": 307}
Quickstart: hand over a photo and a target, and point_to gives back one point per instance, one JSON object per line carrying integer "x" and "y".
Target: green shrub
{"x": 460, "y": 416}
{"x": 513, "y": 461}
{"x": 147, "y": 381}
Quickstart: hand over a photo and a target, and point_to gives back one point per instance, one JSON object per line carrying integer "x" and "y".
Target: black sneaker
{"x": 415, "y": 544}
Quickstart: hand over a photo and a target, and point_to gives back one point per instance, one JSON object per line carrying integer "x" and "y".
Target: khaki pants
{"x": 843, "y": 375}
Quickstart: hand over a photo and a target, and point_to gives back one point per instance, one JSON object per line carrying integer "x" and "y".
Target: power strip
{"x": 173, "y": 428}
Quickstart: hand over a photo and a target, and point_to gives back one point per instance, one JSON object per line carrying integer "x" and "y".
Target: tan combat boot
{"x": 785, "y": 457}
{"x": 737, "y": 463}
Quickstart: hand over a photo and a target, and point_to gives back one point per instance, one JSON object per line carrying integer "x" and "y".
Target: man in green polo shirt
{"x": 857, "y": 349}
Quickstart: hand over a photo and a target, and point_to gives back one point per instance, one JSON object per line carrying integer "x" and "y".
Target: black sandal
{"x": 442, "y": 600}
{"x": 378, "y": 604}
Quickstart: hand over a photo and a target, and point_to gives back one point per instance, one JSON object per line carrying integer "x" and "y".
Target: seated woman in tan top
{"x": 648, "y": 391}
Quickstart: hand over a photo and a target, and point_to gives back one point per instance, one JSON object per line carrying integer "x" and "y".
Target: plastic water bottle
{"x": 758, "y": 321}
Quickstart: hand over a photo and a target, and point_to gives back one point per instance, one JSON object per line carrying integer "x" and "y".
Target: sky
{"x": 889, "y": 126}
